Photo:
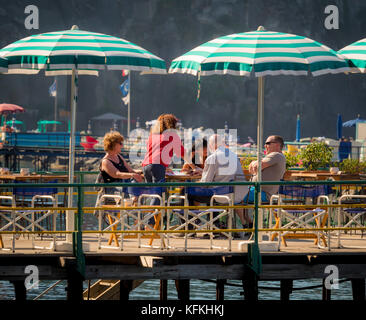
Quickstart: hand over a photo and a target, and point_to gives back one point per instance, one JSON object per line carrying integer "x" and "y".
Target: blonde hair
{"x": 165, "y": 122}
{"x": 111, "y": 139}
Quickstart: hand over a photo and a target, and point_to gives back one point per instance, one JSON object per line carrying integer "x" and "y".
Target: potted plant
{"x": 352, "y": 166}
{"x": 316, "y": 155}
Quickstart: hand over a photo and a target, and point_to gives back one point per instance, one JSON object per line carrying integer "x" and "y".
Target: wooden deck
{"x": 195, "y": 246}
{"x": 300, "y": 259}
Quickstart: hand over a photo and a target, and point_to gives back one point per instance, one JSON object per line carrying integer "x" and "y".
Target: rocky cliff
{"x": 169, "y": 28}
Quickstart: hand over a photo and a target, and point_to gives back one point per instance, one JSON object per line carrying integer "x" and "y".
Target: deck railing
{"x": 254, "y": 255}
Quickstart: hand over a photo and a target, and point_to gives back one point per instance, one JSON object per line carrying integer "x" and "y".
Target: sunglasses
{"x": 269, "y": 142}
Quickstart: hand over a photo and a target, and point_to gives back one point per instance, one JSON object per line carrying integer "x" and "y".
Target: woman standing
{"x": 113, "y": 167}
{"x": 163, "y": 142}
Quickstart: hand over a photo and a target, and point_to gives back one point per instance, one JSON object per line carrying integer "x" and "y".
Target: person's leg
{"x": 157, "y": 174}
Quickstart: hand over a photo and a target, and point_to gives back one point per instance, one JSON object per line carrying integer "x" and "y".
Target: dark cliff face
{"x": 169, "y": 28}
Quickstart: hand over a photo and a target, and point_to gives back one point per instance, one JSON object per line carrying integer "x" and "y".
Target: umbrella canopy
{"x": 3, "y": 65}
{"x": 339, "y": 126}
{"x": 11, "y": 122}
{"x": 77, "y": 52}
{"x": 260, "y": 53}
{"x": 109, "y": 116}
{"x": 355, "y": 54}
{"x": 298, "y": 128}
{"x": 352, "y": 123}
{"x": 62, "y": 51}
{"x": 8, "y": 108}
{"x": 42, "y": 122}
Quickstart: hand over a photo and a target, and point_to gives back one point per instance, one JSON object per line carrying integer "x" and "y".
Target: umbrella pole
{"x": 259, "y": 146}
{"x": 55, "y": 124}
{"x": 70, "y": 217}
{"x": 129, "y": 105}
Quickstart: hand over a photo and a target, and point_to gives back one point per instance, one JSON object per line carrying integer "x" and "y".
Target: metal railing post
{"x": 78, "y": 235}
{"x": 254, "y": 256}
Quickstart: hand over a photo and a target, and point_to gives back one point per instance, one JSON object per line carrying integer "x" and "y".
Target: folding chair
{"x": 205, "y": 219}
{"x": 147, "y": 195}
{"x": 113, "y": 215}
{"x": 39, "y": 216}
{"x": 354, "y": 215}
{"x": 300, "y": 217}
{"x": 8, "y": 216}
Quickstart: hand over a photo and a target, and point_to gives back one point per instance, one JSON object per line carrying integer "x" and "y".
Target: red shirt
{"x": 160, "y": 148}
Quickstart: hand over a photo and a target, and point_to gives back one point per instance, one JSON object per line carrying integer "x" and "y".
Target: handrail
{"x": 183, "y": 184}
{"x": 254, "y": 257}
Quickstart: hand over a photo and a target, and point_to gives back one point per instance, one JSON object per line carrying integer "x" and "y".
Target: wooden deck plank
{"x": 196, "y": 246}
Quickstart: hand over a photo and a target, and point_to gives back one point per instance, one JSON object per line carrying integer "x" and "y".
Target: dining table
{"x": 32, "y": 177}
{"x": 319, "y": 176}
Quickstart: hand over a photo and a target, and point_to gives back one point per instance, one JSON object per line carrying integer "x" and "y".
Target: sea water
{"x": 199, "y": 290}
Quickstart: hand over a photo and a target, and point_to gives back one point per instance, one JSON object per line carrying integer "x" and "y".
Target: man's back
{"x": 223, "y": 166}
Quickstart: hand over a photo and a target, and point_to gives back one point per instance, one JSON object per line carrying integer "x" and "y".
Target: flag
{"x": 126, "y": 99}
{"x": 125, "y": 73}
{"x": 52, "y": 89}
{"x": 125, "y": 89}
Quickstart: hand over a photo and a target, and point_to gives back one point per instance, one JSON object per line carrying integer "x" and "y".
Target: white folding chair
{"x": 114, "y": 213}
{"x": 355, "y": 217}
{"x": 8, "y": 216}
{"x": 299, "y": 218}
{"x": 36, "y": 222}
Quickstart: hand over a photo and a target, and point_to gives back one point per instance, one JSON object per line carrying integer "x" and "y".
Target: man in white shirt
{"x": 222, "y": 165}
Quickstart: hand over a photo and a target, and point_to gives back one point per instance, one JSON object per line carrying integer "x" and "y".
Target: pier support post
{"x": 250, "y": 284}
{"x": 182, "y": 289}
{"x": 20, "y": 290}
{"x": 326, "y": 293}
{"x": 125, "y": 287}
{"x": 164, "y": 290}
{"x": 74, "y": 287}
{"x": 286, "y": 289}
{"x": 220, "y": 289}
{"x": 358, "y": 289}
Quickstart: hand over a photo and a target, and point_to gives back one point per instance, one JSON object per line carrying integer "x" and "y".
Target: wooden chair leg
{"x": 156, "y": 227}
{"x": 114, "y": 235}
{"x": 1, "y": 242}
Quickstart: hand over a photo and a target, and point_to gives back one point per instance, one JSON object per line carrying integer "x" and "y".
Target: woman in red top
{"x": 163, "y": 142}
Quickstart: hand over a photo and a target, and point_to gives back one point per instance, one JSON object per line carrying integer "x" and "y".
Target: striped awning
{"x": 61, "y": 51}
{"x": 355, "y": 54}
{"x": 261, "y": 52}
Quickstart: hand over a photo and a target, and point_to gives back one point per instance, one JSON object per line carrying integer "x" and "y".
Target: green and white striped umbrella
{"x": 3, "y": 65}
{"x": 61, "y": 51}
{"x": 77, "y": 52}
{"x": 355, "y": 54}
{"x": 262, "y": 52}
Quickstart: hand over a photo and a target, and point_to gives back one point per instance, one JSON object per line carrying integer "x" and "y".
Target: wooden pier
{"x": 301, "y": 259}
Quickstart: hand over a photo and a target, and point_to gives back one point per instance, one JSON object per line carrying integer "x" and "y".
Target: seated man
{"x": 222, "y": 165}
{"x": 273, "y": 168}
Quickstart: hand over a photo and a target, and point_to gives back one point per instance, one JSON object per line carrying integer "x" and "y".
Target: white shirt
{"x": 223, "y": 166}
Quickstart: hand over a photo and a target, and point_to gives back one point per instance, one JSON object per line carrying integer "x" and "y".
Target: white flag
{"x": 126, "y": 99}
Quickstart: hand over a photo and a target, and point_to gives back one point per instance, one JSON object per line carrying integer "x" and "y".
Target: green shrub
{"x": 352, "y": 166}
{"x": 316, "y": 155}
{"x": 292, "y": 160}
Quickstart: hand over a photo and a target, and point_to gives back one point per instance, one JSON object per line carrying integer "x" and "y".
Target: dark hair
{"x": 199, "y": 145}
